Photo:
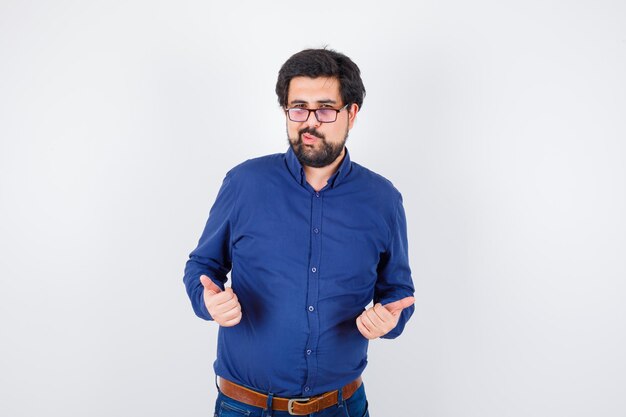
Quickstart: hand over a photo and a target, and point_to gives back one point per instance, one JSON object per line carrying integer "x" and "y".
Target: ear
{"x": 352, "y": 112}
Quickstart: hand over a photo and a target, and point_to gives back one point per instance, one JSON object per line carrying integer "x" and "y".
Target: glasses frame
{"x": 315, "y": 112}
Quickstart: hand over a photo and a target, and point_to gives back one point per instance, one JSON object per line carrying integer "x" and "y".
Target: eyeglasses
{"x": 323, "y": 115}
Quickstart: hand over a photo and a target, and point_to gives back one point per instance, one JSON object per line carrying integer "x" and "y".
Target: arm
{"x": 393, "y": 292}
{"x": 212, "y": 256}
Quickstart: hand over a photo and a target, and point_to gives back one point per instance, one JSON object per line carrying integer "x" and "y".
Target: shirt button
{"x": 307, "y": 389}
{"x": 308, "y": 352}
{"x": 311, "y": 308}
{"x": 314, "y": 269}
{"x": 316, "y": 230}
{"x": 317, "y": 195}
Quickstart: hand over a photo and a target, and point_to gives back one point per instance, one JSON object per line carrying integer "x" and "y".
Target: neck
{"x": 318, "y": 177}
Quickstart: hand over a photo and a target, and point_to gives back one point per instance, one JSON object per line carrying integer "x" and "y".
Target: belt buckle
{"x": 295, "y": 400}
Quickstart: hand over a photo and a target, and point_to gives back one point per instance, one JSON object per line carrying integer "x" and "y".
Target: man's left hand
{"x": 379, "y": 320}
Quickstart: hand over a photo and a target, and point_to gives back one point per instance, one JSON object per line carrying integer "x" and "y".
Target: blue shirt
{"x": 304, "y": 265}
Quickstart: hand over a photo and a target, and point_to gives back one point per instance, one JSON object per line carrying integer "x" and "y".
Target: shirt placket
{"x": 313, "y": 291}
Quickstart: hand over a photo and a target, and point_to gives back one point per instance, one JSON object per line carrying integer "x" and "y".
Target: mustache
{"x": 311, "y": 131}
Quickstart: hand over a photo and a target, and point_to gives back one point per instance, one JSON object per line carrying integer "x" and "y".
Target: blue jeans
{"x": 355, "y": 406}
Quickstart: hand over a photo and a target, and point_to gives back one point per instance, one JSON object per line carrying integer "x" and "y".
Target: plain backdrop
{"x": 501, "y": 122}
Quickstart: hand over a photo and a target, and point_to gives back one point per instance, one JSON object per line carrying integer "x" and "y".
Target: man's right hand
{"x": 223, "y": 306}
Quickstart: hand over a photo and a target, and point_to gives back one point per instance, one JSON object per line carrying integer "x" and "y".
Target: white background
{"x": 502, "y": 123}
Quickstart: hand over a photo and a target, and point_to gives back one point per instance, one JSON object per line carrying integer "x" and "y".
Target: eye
{"x": 327, "y": 110}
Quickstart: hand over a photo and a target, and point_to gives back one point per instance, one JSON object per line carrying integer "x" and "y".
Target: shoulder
{"x": 375, "y": 183}
{"x": 255, "y": 167}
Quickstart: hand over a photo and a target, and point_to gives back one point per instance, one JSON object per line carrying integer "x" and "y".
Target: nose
{"x": 312, "y": 120}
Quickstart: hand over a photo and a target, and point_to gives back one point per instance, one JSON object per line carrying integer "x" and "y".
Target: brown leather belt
{"x": 294, "y": 406}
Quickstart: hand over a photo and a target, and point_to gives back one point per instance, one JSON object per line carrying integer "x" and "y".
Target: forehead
{"x": 311, "y": 90}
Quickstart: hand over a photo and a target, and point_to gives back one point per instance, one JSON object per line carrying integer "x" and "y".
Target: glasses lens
{"x": 298, "y": 115}
{"x": 326, "y": 115}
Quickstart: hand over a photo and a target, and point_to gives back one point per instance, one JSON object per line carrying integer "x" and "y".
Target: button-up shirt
{"x": 304, "y": 264}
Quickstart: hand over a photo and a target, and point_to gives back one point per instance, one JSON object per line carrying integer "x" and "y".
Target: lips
{"x": 309, "y": 139}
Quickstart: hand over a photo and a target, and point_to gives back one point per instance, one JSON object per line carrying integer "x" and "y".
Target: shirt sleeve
{"x": 212, "y": 256}
{"x": 394, "y": 273}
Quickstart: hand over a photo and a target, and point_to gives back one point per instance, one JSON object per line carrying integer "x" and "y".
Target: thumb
{"x": 209, "y": 285}
{"x": 397, "y": 306}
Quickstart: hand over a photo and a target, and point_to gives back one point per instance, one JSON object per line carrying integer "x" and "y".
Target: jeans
{"x": 355, "y": 406}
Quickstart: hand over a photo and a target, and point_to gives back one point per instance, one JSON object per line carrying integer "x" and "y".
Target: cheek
{"x": 292, "y": 130}
{"x": 336, "y": 134}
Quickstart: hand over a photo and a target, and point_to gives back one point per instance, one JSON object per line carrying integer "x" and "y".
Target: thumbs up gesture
{"x": 379, "y": 320}
{"x": 223, "y": 306}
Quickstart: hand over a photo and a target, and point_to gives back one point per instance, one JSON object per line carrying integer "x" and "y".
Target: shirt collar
{"x": 342, "y": 172}
{"x": 297, "y": 171}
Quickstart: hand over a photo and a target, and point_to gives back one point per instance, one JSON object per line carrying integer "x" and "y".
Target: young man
{"x": 310, "y": 239}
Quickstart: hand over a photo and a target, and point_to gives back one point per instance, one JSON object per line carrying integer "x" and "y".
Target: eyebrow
{"x": 325, "y": 101}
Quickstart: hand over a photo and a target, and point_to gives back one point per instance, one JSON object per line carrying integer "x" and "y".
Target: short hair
{"x": 324, "y": 62}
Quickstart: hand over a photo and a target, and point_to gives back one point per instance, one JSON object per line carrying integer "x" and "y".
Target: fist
{"x": 379, "y": 320}
{"x": 223, "y": 306}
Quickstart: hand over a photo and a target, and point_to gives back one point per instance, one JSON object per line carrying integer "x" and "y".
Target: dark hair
{"x": 322, "y": 63}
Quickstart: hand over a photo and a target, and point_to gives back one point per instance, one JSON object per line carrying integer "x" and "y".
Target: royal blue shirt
{"x": 304, "y": 265}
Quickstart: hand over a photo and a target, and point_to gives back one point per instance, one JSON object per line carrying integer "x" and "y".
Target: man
{"x": 310, "y": 238}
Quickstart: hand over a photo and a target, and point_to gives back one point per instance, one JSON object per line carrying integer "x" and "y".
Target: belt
{"x": 295, "y": 406}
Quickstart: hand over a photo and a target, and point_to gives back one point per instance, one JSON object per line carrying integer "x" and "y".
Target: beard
{"x": 316, "y": 156}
